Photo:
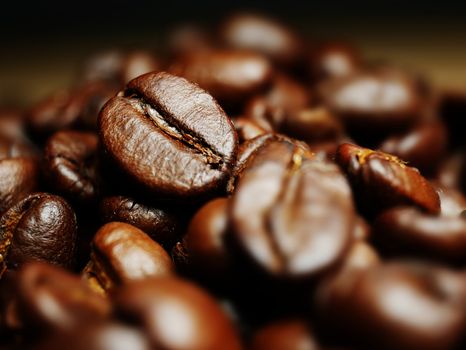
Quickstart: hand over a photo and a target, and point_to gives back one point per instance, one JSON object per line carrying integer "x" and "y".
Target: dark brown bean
{"x": 169, "y": 136}
{"x": 176, "y": 315}
{"x": 247, "y": 129}
{"x": 381, "y": 181}
{"x": 230, "y": 76}
{"x": 292, "y": 215}
{"x": 70, "y": 159}
{"x": 161, "y": 224}
{"x": 396, "y": 305}
{"x": 122, "y": 253}
{"x": 39, "y": 227}
{"x": 51, "y": 299}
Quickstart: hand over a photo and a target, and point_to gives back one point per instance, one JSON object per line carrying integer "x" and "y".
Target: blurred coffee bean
{"x": 51, "y": 299}
{"x": 109, "y": 335}
{"x": 293, "y": 334}
{"x": 292, "y": 215}
{"x": 230, "y": 76}
{"x": 361, "y": 255}
{"x": 361, "y": 229}
{"x": 333, "y": 60}
{"x": 18, "y": 178}
{"x": 380, "y": 180}
{"x": 204, "y": 242}
{"x": 312, "y": 125}
{"x": 264, "y": 35}
{"x": 188, "y": 38}
{"x": 421, "y": 147}
{"x": 14, "y": 141}
{"x": 408, "y": 231}
{"x": 452, "y": 108}
{"x": 452, "y": 201}
{"x": 247, "y": 129}
{"x": 397, "y": 305}
{"x": 122, "y": 253}
{"x": 39, "y": 227}
{"x": 70, "y": 164}
{"x": 77, "y": 107}
{"x": 271, "y": 109}
{"x": 381, "y": 100}
{"x": 171, "y": 148}
{"x": 176, "y": 315}
{"x": 117, "y": 68}
{"x": 161, "y": 224}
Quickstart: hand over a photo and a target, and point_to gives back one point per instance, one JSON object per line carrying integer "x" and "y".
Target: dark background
{"x": 42, "y": 43}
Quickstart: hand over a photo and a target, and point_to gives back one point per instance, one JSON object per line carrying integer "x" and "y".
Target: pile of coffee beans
{"x": 245, "y": 188}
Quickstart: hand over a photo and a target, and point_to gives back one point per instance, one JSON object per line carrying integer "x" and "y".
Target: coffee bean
{"x": 422, "y": 147}
{"x": 382, "y": 181}
{"x": 408, "y": 231}
{"x": 71, "y": 164}
{"x": 204, "y": 242}
{"x": 397, "y": 305}
{"x": 293, "y": 334}
{"x": 176, "y": 314}
{"x": 312, "y": 125}
{"x": 19, "y": 177}
{"x": 333, "y": 60}
{"x": 452, "y": 202}
{"x": 137, "y": 63}
{"x": 162, "y": 225}
{"x": 39, "y": 227}
{"x": 230, "y": 76}
{"x": 122, "y": 253}
{"x": 380, "y": 99}
{"x": 51, "y": 299}
{"x": 264, "y": 35}
{"x": 170, "y": 136}
{"x": 292, "y": 215}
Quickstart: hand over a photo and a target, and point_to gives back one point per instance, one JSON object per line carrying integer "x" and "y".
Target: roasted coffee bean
{"x": 247, "y": 129}
{"x": 382, "y": 181}
{"x": 122, "y": 253}
{"x": 264, "y": 35}
{"x": 39, "y": 227}
{"x": 204, "y": 242}
{"x": 333, "y": 60}
{"x": 312, "y": 125}
{"x": 396, "y": 305}
{"x": 51, "y": 299}
{"x": 71, "y": 164}
{"x": 161, "y": 224}
{"x": 408, "y": 231}
{"x": 381, "y": 100}
{"x": 176, "y": 315}
{"x": 107, "y": 335}
{"x": 292, "y": 215}
{"x": 169, "y": 136}
{"x": 230, "y": 76}
{"x": 422, "y": 147}
{"x": 19, "y": 177}
{"x": 293, "y": 334}
{"x": 66, "y": 109}
{"x": 284, "y": 97}
{"x": 14, "y": 142}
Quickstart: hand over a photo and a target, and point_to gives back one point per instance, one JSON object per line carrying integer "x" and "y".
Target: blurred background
{"x": 44, "y": 42}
